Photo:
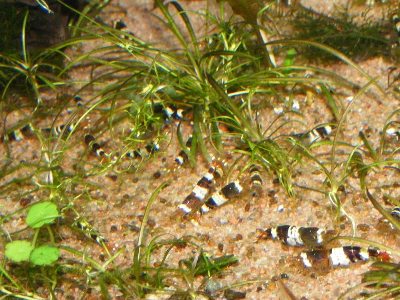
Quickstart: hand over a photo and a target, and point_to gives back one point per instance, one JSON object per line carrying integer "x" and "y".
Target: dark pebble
{"x": 232, "y": 294}
{"x": 113, "y": 177}
{"x": 363, "y": 227}
{"x": 24, "y": 201}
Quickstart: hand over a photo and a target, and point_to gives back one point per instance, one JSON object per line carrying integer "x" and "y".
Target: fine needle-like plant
{"x": 223, "y": 82}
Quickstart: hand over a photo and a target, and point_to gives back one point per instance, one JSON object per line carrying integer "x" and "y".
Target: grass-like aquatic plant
{"x": 223, "y": 84}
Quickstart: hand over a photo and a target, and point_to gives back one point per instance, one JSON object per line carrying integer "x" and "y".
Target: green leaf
{"x": 206, "y": 265}
{"x": 290, "y": 57}
{"x": 41, "y": 213}
{"x": 18, "y": 251}
{"x": 44, "y": 255}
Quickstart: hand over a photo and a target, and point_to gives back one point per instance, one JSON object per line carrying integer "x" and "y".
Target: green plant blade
{"x": 208, "y": 265}
{"x": 383, "y": 212}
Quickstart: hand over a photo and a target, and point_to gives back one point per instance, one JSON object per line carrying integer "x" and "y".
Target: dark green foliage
{"x": 341, "y": 32}
{"x": 216, "y": 79}
{"x": 10, "y": 31}
{"x": 384, "y": 278}
{"x": 357, "y": 166}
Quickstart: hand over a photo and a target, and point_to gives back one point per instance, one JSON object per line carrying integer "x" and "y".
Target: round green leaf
{"x": 44, "y": 255}
{"x": 18, "y": 251}
{"x": 41, "y": 213}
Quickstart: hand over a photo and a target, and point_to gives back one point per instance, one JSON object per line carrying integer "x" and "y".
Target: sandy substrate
{"x": 118, "y": 200}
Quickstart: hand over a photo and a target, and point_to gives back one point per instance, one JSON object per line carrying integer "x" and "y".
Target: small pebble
{"x": 113, "y": 177}
{"x": 133, "y": 227}
{"x": 349, "y": 99}
{"x": 296, "y": 106}
{"x": 223, "y": 221}
{"x": 363, "y": 227}
{"x": 232, "y": 294}
{"x": 212, "y": 286}
{"x": 238, "y": 237}
{"x": 278, "y": 110}
{"x": 151, "y": 222}
{"x": 284, "y": 276}
{"x": 24, "y": 202}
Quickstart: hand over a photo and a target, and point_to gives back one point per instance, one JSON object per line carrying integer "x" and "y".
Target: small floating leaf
{"x": 18, "y": 251}
{"x": 42, "y": 213}
{"x": 44, "y": 255}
